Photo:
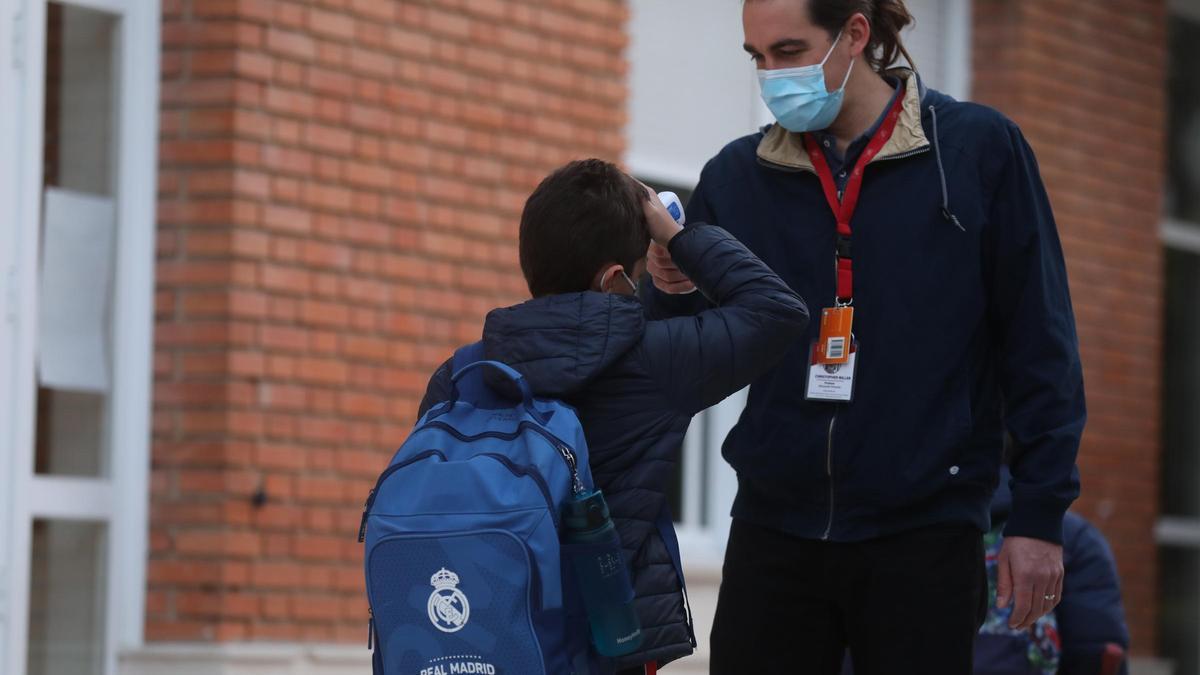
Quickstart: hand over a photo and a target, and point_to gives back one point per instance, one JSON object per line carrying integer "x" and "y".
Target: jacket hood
{"x": 560, "y": 343}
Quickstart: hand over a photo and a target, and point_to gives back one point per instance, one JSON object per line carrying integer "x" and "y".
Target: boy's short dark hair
{"x": 582, "y": 216}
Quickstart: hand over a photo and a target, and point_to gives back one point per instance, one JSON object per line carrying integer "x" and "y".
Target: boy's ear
{"x": 607, "y": 279}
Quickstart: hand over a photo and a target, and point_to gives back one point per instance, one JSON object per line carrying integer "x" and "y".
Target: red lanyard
{"x": 843, "y": 208}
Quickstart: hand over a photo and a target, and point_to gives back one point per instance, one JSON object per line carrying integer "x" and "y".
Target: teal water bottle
{"x": 602, "y": 574}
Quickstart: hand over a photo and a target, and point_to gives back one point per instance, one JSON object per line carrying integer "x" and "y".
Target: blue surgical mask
{"x": 798, "y": 98}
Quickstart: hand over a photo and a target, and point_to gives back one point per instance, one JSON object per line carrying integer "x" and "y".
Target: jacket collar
{"x": 785, "y": 149}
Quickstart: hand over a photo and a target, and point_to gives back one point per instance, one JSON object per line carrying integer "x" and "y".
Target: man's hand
{"x": 1030, "y": 575}
{"x": 667, "y": 277}
{"x": 663, "y": 228}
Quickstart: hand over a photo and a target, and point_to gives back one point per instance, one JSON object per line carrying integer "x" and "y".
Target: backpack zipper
{"x": 519, "y": 470}
{"x": 531, "y": 472}
{"x": 362, "y": 526}
{"x": 561, "y": 447}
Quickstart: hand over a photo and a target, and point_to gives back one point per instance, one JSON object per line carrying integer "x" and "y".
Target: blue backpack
{"x": 464, "y": 570}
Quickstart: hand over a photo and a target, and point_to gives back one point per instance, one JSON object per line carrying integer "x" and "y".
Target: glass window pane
{"x": 1179, "y": 583}
{"x": 78, "y": 234}
{"x": 71, "y": 433}
{"x": 1181, "y": 386}
{"x": 67, "y": 598}
{"x": 80, "y": 99}
{"x": 1183, "y": 186}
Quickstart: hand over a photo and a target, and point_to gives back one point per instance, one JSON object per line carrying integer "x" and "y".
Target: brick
{"x": 321, "y": 371}
{"x": 449, "y": 24}
{"x": 291, "y": 44}
{"x": 372, "y": 63}
{"x": 328, "y": 138}
{"x": 331, "y": 24}
{"x": 374, "y": 9}
{"x": 287, "y": 219}
{"x": 218, "y": 544}
{"x": 330, "y": 81}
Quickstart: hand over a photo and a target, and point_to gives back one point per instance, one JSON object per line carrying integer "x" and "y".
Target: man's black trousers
{"x": 905, "y": 603}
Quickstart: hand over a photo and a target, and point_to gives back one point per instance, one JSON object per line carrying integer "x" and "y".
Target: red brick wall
{"x": 340, "y": 184}
{"x": 1086, "y": 82}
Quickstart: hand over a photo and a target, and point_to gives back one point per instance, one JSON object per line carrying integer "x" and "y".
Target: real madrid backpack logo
{"x": 448, "y": 606}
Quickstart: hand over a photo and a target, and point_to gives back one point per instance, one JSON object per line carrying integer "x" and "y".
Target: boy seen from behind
{"x": 584, "y": 339}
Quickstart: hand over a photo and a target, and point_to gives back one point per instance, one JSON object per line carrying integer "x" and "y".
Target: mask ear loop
{"x": 830, "y": 53}
{"x": 847, "y": 78}
{"x": 832, "y": 47}
{"x": 624, "y": 275}
{"x": 633, "y": 285}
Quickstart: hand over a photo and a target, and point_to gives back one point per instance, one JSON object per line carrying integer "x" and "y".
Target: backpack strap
{"x": 468, "y": 384}
{"x": 470, "y": 387}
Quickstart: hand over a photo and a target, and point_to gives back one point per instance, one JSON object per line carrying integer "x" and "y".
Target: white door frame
{"x": 121, "y": 499}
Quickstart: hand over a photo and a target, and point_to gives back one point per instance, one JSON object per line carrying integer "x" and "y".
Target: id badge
{"x": 831, "y": 381}
{"x": 837, "y": 326}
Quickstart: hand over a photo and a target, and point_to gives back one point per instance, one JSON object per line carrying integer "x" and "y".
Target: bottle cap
{"x": 587, "y": 511}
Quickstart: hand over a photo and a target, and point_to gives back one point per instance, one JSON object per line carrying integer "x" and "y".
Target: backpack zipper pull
{"x": 362, "y": 526}
{"x": 569, "y": 456}
{"x": 370, "y": 629}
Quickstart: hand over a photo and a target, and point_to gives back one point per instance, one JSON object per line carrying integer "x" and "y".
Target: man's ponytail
{"x": 890, "y": 17}
{"x": 887, "y": 18}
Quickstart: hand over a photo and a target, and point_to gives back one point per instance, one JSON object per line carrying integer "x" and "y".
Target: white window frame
{"x": 121, "y": 499}
{"x": 956, "y": 52}
{"x": 1180, "y": 235}
{"x": 1180, "y": 531}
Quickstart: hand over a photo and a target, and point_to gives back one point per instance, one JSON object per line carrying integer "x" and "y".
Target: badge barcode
{"x": 836, "y": 349}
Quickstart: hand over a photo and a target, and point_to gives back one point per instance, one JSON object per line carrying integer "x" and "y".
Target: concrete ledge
{"x": 245, "y": 658}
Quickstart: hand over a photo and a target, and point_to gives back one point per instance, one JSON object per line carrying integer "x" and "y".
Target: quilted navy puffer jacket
{"x": 636, "y": 385}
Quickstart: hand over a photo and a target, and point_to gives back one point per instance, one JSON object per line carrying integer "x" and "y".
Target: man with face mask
{"x": 866, "y": 460}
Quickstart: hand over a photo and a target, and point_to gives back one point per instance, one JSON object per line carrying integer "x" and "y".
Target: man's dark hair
{"x": 582, "y": 216}
{"x": 887, "y": 18}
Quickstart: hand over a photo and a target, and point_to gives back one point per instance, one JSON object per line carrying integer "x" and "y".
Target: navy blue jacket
{"x": 636, "y": 385}
{"x": 963, "y": 318}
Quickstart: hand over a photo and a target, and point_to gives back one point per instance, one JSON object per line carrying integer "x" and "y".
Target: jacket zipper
{"x": 910, "y": 153}
{"x": 797, "y": 169}
{"x": 829, "y": 472}
{"x": 833, "y": 418}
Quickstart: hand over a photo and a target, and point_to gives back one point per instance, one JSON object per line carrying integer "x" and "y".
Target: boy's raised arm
{"x": 701, "y": 359}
